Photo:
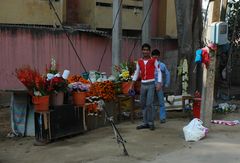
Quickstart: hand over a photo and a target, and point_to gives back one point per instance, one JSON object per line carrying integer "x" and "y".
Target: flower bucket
{"x": 85, "y": 75}
{"x": 57, "y": 98}
{"x": 79, "y": 98}
{"x": 92, "y": 108}
{"x": 41, "y": 103}
{"x": 125, "y": 87}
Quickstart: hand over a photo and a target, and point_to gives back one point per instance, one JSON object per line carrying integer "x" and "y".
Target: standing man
{"x": 147, "y": 67}
{"x": 166, "y": 81}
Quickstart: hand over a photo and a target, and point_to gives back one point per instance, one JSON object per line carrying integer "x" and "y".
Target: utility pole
{"x": 209, "y": 73}
{"x": 146, "y": 38}
{"x": 116, "y": 33}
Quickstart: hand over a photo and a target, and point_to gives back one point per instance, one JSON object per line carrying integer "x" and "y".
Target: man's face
{"x": 146, "y": 51}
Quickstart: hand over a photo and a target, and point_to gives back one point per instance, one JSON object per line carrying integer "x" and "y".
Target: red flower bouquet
{"x": 58, "y": 84}
{"x": 36, "y": 84}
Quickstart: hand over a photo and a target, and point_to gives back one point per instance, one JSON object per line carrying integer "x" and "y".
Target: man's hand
{"x": 132, "y": 85}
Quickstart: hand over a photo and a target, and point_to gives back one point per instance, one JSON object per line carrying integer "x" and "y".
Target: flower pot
{"x": 57, "y": 98}
{"x": 79, "y": 98}
{"x": 40, "y": 103}
{"x": 125, "y": 87}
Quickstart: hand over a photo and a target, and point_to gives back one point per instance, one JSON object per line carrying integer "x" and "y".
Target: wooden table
{"x": 184, "y": 98}
{"x": 59, "y": 121}
{"x": 120, "y": 100}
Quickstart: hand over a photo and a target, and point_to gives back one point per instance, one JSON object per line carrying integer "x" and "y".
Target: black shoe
{"x": 142, "y": 127}
{"x": 40, "y": 143}
{"x": 151, "y": 127}
{"x": 163, "y": 121}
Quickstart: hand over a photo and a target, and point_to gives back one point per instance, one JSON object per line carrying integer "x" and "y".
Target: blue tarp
{"x": 22, "y": 115}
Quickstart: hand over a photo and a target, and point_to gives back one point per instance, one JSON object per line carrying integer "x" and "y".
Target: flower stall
{"x": 95, "y": 116}
{"x": 67, "y": 104}
{"x": 126, "y": 99}
{"x": 53, "y": 118}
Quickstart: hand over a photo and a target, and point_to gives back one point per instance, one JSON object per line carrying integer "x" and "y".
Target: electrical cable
{"x": 144, "y": 20}
{"x": 66, "y": 33}
{"x": 52, "y": 6}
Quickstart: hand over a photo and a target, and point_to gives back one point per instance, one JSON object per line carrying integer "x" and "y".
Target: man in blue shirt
{"x": 166, "y": 82}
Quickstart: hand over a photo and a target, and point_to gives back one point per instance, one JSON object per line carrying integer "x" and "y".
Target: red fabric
{"x": 147, "y": 71}
{"x": 205, "y": 56}
{"x": 197, "y": 105}
{"x": 224, "y": 122}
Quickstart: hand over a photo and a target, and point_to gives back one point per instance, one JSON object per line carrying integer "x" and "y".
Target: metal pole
{"x": 147, "y": 24}
{"x": 116, "y": 33}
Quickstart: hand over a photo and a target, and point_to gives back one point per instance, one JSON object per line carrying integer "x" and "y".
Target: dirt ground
{"x": 166, "y": 144}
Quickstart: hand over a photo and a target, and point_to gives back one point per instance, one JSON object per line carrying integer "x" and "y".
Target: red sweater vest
{"x": 147, "y": 71}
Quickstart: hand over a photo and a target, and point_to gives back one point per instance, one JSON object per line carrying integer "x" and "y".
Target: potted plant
{"x": 123, "y": 74}
{"x": 104, "y": 90}
{"x": 58, "y": 84}
{"x": 78, "y": 86}
{"x": 37, "y": 85}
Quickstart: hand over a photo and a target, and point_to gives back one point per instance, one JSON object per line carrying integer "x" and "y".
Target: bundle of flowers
{"x": 93, "y": 105}
{"x": 57, "y": 82}
{"x": 53, "y": 67}
{"x": 124, "y": 71}
{"x": 78, "y": 87}
{"x": 78, "y": 84}
{"x": 77, "y": 78}
{"x": 104, "y": 90}
{"x": 36, "y": 84}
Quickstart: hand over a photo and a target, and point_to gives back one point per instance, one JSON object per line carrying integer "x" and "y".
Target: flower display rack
{"x": 59, "y": 121}
{"x": 94, "y": 121}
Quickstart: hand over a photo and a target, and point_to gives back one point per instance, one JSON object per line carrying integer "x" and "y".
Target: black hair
{"x": 155, "y": 52}
{"x": 146, "y": 45}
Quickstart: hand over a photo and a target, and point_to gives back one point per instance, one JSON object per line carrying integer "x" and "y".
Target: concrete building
{"x": 29, "y": 29}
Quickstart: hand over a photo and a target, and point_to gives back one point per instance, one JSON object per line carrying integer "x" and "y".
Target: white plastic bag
{"x": 195, "y": 131}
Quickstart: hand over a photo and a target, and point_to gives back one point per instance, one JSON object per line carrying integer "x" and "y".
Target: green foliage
{"x": 234, "y": 27}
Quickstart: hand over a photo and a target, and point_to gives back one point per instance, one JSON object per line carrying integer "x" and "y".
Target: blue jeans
{"x": 162, "y": 110}
{"x": 146, "y": 98}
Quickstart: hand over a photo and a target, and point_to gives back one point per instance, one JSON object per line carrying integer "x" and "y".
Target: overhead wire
{"x": 104, "y": 52}
{"x": 66, "y": 33}
{"x": 144, "y": 20}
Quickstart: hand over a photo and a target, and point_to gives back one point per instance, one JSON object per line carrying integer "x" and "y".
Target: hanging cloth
{"x": 198, "y": 56}
{"x": 205, "y": 56}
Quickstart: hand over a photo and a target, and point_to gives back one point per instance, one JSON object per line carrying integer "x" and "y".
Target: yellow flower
{"x": 125, "y": 74}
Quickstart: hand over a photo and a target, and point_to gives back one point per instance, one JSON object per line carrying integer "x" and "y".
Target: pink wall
{"x": 35, "y": 47}
{"x": 25, "y": 47}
